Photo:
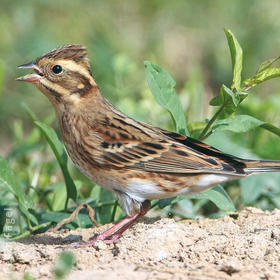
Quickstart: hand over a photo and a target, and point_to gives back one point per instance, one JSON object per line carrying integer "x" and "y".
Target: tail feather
{"x": 256, "y": 166}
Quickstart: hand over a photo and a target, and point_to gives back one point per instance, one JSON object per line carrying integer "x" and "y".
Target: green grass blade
{"x": 29, "y": 112}
{"x": 61, "y": 156}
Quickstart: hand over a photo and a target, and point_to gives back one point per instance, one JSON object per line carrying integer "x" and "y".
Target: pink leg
{"x": 112, "y": 234}
{"x": 115, "y": 236}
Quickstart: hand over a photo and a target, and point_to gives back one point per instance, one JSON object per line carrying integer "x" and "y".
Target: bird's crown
{"x": 76, "y": 53}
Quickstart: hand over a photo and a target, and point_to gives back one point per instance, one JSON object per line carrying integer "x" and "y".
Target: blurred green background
{"x": 184, "y": 37}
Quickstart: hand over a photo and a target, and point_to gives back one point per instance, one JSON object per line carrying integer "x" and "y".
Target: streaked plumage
{"x": 136, "y": 161}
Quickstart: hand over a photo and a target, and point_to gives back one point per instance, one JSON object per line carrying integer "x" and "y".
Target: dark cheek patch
{"x": 81, "y": 84}
{"x": 74, "y": 83}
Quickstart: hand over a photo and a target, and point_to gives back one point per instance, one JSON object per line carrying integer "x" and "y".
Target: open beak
{"x": 32, "y": 78}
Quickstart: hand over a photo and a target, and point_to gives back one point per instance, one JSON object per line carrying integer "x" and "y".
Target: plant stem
{"x": 154, "y": 204}
{"x": 204, "y": 134}
{"x": 207, "y": 135}
{"x": 114, "y": 211}
{"x": 28, "y": 232}
{"x": 66, "y": 202}
{"x": 247, "y": 88}
{"x": 209, "y": 124}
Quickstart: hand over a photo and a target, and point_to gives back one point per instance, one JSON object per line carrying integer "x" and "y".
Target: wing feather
{"x": 133, "y": 145}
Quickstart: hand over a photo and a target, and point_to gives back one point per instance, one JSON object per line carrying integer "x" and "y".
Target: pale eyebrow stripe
{"x": 75, "y": 67}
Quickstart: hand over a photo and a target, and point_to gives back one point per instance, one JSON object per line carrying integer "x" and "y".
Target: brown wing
{"x": 125, "y": 143}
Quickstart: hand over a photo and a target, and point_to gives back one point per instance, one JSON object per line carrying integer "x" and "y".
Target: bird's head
{"x": 62, "y": 74}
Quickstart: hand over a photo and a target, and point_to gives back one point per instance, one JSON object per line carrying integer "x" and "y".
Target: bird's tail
{"x": 256, "y": 166}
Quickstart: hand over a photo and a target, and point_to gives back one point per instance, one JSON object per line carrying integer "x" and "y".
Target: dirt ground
{"x": 246, "y": 247}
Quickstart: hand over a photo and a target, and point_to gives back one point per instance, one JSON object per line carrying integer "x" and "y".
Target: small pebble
{"x": 72, "y": 238}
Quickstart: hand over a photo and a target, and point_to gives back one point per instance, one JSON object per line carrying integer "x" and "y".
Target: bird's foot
{"x": 112, "y": 234}
{"x": 112, "y": 239}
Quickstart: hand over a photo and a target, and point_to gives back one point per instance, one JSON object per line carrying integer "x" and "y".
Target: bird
{"x": 136, "y": 161}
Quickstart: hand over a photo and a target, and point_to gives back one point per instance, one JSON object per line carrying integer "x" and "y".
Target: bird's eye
{"x": 57, "y": 69}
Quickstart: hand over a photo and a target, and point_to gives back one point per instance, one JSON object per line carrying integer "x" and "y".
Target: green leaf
{"x": 226, "y": 96}
{"x": 162, "y": 86}
{"x": 222, "y": 141}
{"x": 262, "y": 76}
{"x": 243, "y": 123}
{"x": 236, "y": 59}
{"x": 57, "y": 195}
{"x": 229, "y": 99}
{"x": 104, "y": 213}
{"x": 24, "y": 210}
{"x": 266, "y": 64}
{"x": 61, "y": 156}
{"x": 253, "y": 186}
{"x": 55, "y": 216}
{"x": 11, "y": 183}
{"x": 267, "y": 74}
{"x": 218, "y": 196}
{"x": 64, "y": 264}
{"x": 240, "y": 123}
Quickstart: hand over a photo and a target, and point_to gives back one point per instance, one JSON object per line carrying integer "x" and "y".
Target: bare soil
{"x": 246, "y": 247}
